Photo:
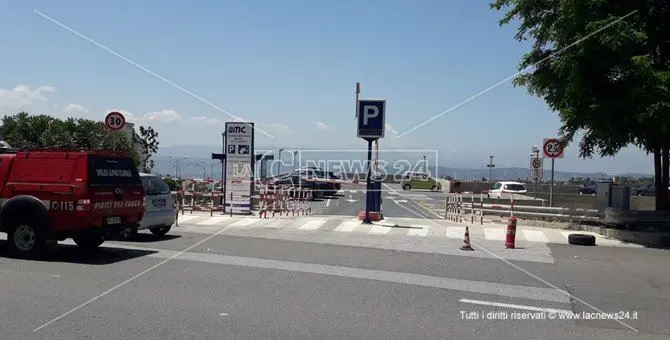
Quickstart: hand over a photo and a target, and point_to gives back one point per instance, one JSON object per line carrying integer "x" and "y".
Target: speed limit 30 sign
{"x": 536, "y": 169}
{"x": 552, "y": 148}
{"x": 115, "y": 121}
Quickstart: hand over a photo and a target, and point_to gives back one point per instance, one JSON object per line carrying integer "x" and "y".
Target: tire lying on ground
{"x": 582, "y": 239}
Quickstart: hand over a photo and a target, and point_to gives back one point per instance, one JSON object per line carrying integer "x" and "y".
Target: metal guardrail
{"x": 456, "y": 207}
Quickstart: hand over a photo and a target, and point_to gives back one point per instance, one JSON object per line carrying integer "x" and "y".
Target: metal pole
{"x": 358, "y": 90}
{"x": 551, "y": 187}
{"x": 223, "y": 173}
{"x": 491, "y": 168}
{"x": 367, "y": 191}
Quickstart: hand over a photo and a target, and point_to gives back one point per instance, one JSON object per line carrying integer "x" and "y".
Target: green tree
{"x": 24, "y": 131}
{"x": 603, "y": 66}
{"x": 147, "y": 139}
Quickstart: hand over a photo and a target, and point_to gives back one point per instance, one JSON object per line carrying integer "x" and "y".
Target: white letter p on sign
{"x": 367, "y": 115}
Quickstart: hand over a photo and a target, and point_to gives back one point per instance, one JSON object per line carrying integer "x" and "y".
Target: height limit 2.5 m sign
{"x": 552, "y": 148}
{"x": 371, "y": 118}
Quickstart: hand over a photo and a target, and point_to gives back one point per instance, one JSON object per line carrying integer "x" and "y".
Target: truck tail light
{"x": 84, "y": 205}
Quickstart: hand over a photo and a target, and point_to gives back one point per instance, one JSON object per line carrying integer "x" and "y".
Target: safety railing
{"x": 279, "y": 200}
{"x": 458, "y": 206}
{"x": 282, "y": 200}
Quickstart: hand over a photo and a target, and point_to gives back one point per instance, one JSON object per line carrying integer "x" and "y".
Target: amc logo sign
{"x": 237, "y": 129}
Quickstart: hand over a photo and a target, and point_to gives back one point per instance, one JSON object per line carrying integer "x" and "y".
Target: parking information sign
{"x": 239, "y": 166}
{"x": 536, "y": 168}
{"x": 371, "y": 118}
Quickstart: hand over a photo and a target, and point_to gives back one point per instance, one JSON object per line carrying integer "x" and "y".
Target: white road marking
{"x": 186, "y": 218}
{"x": 495, "y": 234}
{"x": 245, "y": 222}
{"x": 456, "y": 232}
{"x": 419, "y": 230}
{"x": 380, "y": 230}
{"x": 509, "y": 305}
{"x": 313, "y": 224}
{"x": 328, "y": 202}
{"x": 481, "y": 287}
{"x": 277, "y": 224}
{"x": 213, "y": 220}
{"x": 353, "y": 192}
{"x": 535, "y": 236}
{"x": 97, "y": 297}
{"x": 347, "y": 226}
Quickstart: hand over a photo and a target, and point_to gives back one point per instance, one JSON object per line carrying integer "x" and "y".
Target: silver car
{"x": 160, "y": 212}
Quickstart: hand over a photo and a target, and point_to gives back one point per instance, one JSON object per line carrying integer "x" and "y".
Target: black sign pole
{"x": 368, "y": 184}
{"x": 224, "y": 164}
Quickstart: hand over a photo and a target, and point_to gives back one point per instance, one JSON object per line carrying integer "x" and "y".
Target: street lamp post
{"x": 211, "y": 169}
{"x": 490, "y": 166}
{"x": 425, "y": 165}
{"x": 536, "y": 154}
{"x": 295, "y": 164}
{"x": 279, "y": 161}
{"x": 177, "y": 160}
{"x": 202, "y": 166}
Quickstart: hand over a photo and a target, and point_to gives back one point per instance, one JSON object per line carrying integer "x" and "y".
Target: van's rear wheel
{"x": 160, "y": 231}
{"x": 89, "y": 241}
{"x": 406, "y": 187}
{"x": 26, "y": 239}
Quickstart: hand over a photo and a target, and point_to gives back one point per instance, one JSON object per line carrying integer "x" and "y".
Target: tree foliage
{"x": 25, "y": 131}
{"x": 604, "y": 67}
{"x": 147, "y": 139}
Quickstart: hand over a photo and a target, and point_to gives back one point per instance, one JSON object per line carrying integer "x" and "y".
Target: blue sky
{"x": 290, "y": 66}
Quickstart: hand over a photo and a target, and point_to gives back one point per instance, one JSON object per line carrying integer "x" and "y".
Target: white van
{"x": 160, "y": 212}
{"x": 506, "y": 189}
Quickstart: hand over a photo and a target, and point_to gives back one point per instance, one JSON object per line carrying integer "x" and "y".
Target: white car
{"x": 160, "y": 212}
{"x": 506, "y": 189}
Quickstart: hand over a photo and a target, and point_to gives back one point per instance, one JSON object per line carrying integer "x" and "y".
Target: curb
{"x": 647, "y": 239}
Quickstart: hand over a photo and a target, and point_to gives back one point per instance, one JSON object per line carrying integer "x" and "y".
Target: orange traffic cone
{"x": 466, "y": 240}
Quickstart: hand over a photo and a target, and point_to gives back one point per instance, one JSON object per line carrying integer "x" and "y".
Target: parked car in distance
{"x": 506, "y": 188}
{"x": 591, "y": 188}
{"x": 160, "y": 209}
{"x": 419, "y": 180}
{"x": 587, "y": 189}
{"x": 297, "y": 181}
{"x": 646, "y": 190}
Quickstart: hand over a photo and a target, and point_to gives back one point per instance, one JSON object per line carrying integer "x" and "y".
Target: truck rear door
{"x": 115, "y": 189}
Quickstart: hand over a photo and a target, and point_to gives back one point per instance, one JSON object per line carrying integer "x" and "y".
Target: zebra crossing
{"x": 408, "y": 227}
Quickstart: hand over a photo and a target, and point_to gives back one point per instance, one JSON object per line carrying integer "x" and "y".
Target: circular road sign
{"x": 552, "y": 148}
{"x": 115, "y": 121}
{"x": 537, "y": 163}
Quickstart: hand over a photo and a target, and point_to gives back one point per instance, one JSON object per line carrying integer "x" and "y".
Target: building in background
{"x": 129, "y": 131}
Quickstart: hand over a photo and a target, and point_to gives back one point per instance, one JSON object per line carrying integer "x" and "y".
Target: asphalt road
{"x": 239, "y": 283}
{"x": 350, "y": 201}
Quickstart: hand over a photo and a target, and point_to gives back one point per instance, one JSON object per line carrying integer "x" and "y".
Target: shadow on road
{"x": 398, "y": 226}
{"x": 73, "y": 254}
{"x": 150, "y": 238}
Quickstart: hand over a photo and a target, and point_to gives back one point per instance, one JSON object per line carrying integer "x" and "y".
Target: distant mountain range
{"x": 393, "y": 161}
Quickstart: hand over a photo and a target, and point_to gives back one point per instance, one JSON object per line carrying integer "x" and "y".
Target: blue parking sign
{"x": 371, "y": 118}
